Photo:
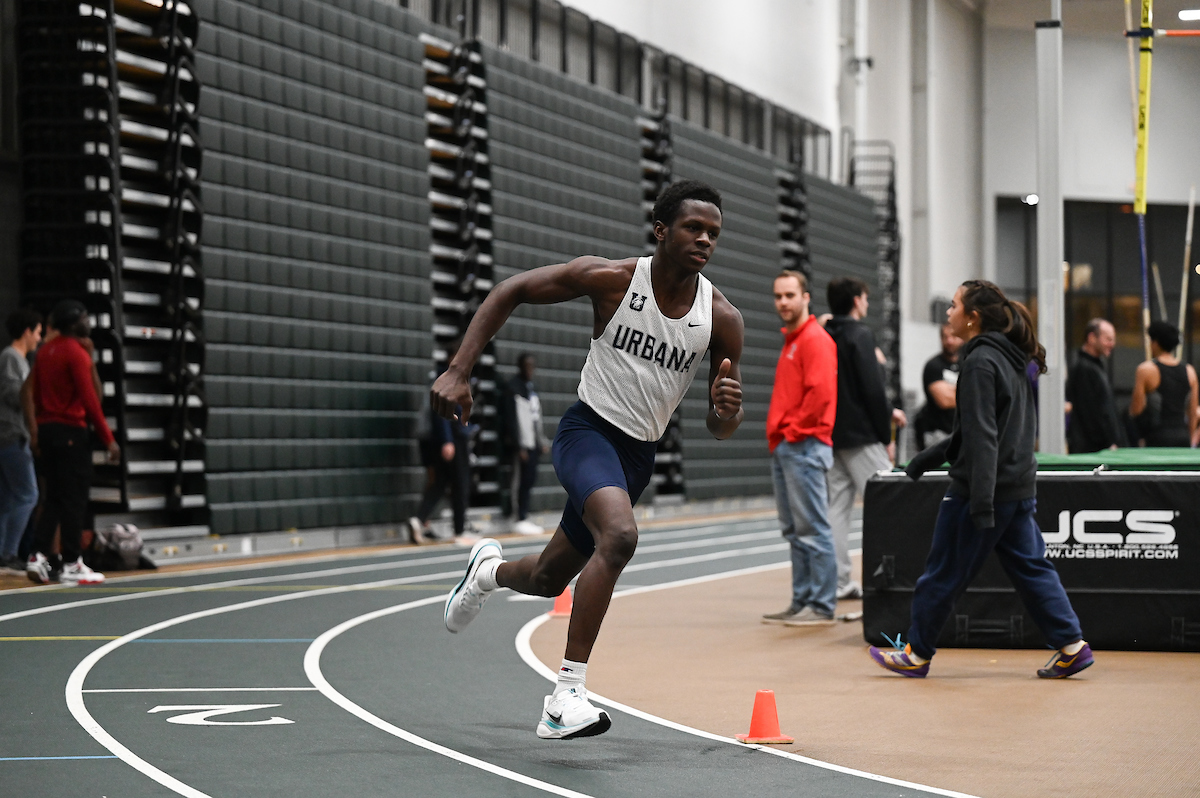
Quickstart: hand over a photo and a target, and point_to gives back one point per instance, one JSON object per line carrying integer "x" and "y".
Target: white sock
{"x": 571, "y": 674}
{"x": 485, "y": 577}
{"x": 912, "y": 656}
{"x": 1072, "y": 649}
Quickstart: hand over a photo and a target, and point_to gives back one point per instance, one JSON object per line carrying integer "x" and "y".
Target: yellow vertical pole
{"x": 1146, "y": 39}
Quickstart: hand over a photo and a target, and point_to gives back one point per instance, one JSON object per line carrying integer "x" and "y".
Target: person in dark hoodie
{"x": 991, "y": 503}
{"x": 862, "y": 431}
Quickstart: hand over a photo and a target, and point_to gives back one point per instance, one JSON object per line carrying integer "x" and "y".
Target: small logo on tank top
{"x": 647, "y": 347}
{"x": 637, "y": 301}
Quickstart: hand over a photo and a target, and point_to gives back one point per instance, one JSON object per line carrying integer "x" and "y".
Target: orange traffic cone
{"x": 562, "y": 605}
{"x": 764, "y": 722}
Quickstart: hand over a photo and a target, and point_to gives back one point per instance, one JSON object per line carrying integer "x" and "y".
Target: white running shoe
{"x": 76, "y": 573}
{"x": 467, "y": 598}
{"x": 569, "y": 715}
{"x": 527, "y": 527}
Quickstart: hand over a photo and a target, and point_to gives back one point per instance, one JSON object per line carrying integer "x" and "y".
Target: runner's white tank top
{"x": 638, "y": 371}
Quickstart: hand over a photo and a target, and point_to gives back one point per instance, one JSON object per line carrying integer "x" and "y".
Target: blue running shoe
{"x": 1063, "y": 665}
{"x": 900, "y": 661}
{"x": 467, "y": 598}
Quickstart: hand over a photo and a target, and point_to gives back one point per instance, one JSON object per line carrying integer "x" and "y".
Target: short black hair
{"x": 1164, "y": 334}
{"x": 521, "y": 358}
{"x": 666, "y": 208}
{"x": 66, "y": 313}
{"x": 842, "y": 292}
{"x": 20, "y": 320}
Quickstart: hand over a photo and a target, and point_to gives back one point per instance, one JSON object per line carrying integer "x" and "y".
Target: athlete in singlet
{"x": 654, "y": 319}
{"x": 1176, "y": 418}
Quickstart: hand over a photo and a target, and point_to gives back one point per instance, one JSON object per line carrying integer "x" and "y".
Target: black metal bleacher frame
{"x": 111, "y": 163}
{"x": 460, "y": 237}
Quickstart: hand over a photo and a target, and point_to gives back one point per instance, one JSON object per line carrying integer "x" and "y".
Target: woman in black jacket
{"x": 991, "y": 502}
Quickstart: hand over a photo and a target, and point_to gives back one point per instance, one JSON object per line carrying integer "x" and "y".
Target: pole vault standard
{"x": 1145, "y": 34}
{"x": 1187, "y": 260}
{"x": 1052, "y": 384}
{"x": 1145, "y": 59}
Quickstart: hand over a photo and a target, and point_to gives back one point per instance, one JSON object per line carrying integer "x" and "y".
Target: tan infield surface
{"x": 981, "y": 723}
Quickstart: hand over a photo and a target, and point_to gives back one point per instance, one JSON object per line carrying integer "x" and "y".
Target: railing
{"x": 873, "y": 172}
{"x": 568, "y": 41}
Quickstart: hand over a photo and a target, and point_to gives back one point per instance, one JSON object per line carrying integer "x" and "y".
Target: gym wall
{"x": 566, "y": 183}
{"x": 316, "y": 254}
{"x": 841, "y": 238}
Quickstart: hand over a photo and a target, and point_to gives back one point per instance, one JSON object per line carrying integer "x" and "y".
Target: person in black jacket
{"x": 862, "y": 430}
{"x": 1094, "y": 425}
{"x": 992, "y": 500}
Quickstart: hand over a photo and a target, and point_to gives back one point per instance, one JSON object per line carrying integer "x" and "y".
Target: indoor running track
{"x": 336, "y": 676}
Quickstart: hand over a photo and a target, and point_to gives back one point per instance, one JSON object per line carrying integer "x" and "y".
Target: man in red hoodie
{"x": 800, "y": 435}
{"x": 64, "y": 401}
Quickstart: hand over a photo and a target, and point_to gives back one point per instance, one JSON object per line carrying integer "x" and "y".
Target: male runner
{"x": 654, "y": 318}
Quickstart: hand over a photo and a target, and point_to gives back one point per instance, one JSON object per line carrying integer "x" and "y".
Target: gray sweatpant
{"x": 851, "y": 469}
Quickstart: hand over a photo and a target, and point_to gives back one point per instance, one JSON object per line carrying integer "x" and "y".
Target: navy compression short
{"x": 590, "y": 453}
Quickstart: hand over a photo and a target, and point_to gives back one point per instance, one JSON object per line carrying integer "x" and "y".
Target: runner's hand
{"x": 726, "y": 393}
{"x": 451, "y": 392}
{"x": 114, "y": 453}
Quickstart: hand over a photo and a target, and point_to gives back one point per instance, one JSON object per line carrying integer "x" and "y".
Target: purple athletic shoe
{"x": 900, "y": 662}
{"x": 1063, "y": 665}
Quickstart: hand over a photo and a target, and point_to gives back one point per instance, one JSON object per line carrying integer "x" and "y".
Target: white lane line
{"x": 203, "y": 690}
{"x": 312, "y": 669}
{"x": 399, "y": 555}
{"x": 459, "y": 557}
{"x": 698, "y": 558}
{"x": 456, "y": 557}
{"x": 655, "y": 548}
{"x": 525, "y": 650}
{"x": 74, "y": 689}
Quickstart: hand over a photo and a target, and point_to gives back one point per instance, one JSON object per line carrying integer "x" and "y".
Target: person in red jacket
{"x": 64, "y": 402}
{"x": 800, "y": 436}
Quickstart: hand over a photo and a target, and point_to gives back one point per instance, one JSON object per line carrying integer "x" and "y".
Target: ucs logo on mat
{"x": 1147, "y": 535}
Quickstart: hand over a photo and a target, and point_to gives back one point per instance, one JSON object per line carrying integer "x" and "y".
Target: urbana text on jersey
{"x": 639, "y": 344}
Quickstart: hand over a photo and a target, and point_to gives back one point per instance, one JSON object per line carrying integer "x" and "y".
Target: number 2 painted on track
{"x": 199, "y": 714}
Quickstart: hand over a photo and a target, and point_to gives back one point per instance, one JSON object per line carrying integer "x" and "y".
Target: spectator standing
{"x": 64, "y": 399}
{"x": 18, "y": 484}
{"x": 862, "y": 432}
{"x": 1094, "y": 425}
{"x": 445, "y": 449}
{"x": 1164, "y": 392}
{"x": 529, "y": 440}
{"x": 800, "y": 437}
{"x": 935, "y": 420}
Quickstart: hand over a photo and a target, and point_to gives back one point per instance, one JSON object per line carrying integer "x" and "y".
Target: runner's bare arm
{"x": 724, "y": 370}
{"x": 593, "y": 277}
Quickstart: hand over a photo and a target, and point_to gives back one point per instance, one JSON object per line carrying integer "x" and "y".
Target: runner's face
{"x": 692, "y": 237}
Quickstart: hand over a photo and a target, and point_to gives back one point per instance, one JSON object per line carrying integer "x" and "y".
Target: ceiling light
{"x": 1189, "y": 14}
{"x": 1030, "y": 199}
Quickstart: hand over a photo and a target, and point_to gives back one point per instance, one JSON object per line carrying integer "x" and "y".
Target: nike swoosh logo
{"x": 556, "y": 718}
{"x": 695, "y": 325}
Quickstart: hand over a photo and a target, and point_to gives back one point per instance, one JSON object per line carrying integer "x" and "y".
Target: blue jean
{"x": 802, "y": 500}
{"x": 18, "y": 495}
{"x": 959, "y": 551}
